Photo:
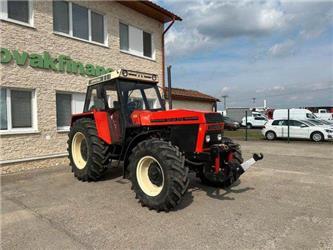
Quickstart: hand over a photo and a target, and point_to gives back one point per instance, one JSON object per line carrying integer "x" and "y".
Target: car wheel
{"x": 317, "y": 136}
{"x": 249, "y": 125}
{"x": 270, "y": 135}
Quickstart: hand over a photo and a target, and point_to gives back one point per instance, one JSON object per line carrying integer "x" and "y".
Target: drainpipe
{"x": 163, "y": 51}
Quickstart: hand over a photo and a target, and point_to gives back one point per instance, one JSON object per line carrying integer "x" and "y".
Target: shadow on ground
{"x": 218, "y": 193}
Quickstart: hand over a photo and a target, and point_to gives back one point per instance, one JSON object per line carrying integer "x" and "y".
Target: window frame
{"x": 70, "y": 23}
{"x": 131, "y": 52}
{"x": 4, "y": 14}
{"x": 34, "y": 120}
{"x": 73, "y": 109}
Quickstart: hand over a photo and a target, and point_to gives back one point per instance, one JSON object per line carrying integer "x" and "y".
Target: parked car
{"x": 297, "y": 129}
{"x": 323, "y": 114}
{"x": 257, "y": 121}
{"x": 298, "y": 114}
{"x": 230, "y": 124}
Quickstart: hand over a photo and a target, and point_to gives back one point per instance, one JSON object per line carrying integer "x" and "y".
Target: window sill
{"x": 62, "y": 130}
{"x": 142, "y": 57}
{"x": 28, "y": 25}
{"x": 80, "y": 39}
{"x": 19, "y": 132}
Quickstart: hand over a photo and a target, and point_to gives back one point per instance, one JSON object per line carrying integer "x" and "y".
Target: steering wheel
{"x": 133, "y": 105}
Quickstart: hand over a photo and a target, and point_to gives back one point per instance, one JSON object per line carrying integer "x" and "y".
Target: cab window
{"x": 111, "y": 96}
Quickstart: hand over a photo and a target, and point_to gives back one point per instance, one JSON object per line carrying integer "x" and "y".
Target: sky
{"x": 277, "y": 50}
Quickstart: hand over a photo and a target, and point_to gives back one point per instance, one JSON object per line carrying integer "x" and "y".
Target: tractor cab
{"x": 124, "y": 89}
{"x": 117, "y": 95}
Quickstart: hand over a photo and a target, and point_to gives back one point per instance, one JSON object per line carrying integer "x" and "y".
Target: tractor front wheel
{"x": 88, "y": 155}
{"x": 158, "y": 174}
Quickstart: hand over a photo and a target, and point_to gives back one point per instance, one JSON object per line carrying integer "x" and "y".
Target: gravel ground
{"x": 283, "y": 202}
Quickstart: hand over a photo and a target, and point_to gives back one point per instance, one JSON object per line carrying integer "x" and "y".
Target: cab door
{"x": 114, "y": 111}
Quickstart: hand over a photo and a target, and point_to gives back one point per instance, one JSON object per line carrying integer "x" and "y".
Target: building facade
{"x": 191, "y": 99}
{"x": 49, "y": 50}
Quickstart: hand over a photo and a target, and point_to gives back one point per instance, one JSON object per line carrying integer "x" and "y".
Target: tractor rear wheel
{"x": 88, "y": 155}
{"x": 158, "y": 174}
{"x": 206, "y": 177}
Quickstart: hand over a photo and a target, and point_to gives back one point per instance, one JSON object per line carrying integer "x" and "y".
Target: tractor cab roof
{"x": 124, "y": 74}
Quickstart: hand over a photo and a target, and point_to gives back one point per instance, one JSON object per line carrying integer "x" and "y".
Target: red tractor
{"x": 124, "y": 119}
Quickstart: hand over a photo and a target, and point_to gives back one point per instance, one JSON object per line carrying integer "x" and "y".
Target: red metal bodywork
{"x": 157, "y": 118}
{"x": 102, "y": 123}
{"x": 177, "y": 117}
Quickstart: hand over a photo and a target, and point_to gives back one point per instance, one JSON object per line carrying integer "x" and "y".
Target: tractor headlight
{"x": 207, "y": 138}
{"x": 125, "y": 73}
{"x": 154, "y": 77}
{"x": 219, "y": 137}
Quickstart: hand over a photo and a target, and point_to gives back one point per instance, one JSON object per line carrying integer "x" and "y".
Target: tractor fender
{"x": 80, "y": 116}
{"x": 101, "y": 119}
{"x": 132, "y": 144}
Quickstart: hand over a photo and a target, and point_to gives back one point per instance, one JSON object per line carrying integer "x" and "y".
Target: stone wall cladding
{"x": 46, "y": 82}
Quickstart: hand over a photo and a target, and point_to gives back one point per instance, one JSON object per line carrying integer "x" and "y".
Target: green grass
{"x": 240, "y": 134}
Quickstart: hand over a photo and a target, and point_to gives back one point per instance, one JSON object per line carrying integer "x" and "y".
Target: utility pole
{"x": 254, "y": 100}
{"x": 225, "y": 101}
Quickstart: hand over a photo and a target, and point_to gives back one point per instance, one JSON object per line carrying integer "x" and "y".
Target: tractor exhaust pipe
{"x": 169, "y": 87}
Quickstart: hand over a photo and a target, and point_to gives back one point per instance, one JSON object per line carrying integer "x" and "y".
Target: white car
{"x": 254, "y": 121}
{"x": 297, "y": 129}
{"x": 323, "y": 114}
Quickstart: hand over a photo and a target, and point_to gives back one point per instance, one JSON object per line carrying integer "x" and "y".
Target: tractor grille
{"x": 213, "y": 118}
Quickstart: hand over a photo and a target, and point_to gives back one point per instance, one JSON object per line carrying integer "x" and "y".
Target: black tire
{"x": 237, "y": 159}
{"x": 97, "y": 154}
{"x": 249, "y": 125}
{"x": 172, "y": 166}
{"x": 317, "y": 136}
{"x": 270, "y": 135}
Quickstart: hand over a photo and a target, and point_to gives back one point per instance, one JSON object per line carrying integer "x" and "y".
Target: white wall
{"x": 195, "y": 105}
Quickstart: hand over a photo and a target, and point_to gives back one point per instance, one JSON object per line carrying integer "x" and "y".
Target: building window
{"x": 135, "y": 41}
{"x": 18, "y": 110}
{"x": 17, "y": 11}
{"x": 61, "y": 16}
{"x": 79, "y": 22}
{"x": 66, "y": 105}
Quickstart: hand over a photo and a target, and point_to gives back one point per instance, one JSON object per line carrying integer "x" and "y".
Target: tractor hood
{"x": 174, "y": 117}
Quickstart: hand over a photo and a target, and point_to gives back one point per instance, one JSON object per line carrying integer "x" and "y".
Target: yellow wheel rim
{"x": 79, "y": 140}
{"x": 142, "y": 176}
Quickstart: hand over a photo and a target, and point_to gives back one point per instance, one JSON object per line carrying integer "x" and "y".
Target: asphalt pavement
{"x": 285, "y": 201}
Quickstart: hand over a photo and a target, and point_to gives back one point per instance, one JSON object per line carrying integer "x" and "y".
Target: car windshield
{"x": 325, "y": 122}
{"x": 316, "y": 122}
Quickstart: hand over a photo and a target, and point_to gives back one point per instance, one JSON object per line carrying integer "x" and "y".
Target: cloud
{"x": 283, "y": 49}
{"x": 278, "y": 87}
{"x": 208, "y": 25}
